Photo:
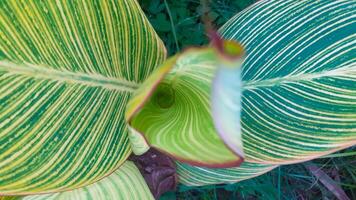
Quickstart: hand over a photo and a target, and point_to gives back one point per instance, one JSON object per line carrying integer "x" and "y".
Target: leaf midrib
{"x": 344, "y": 71}
{"x": 90, "y": 80}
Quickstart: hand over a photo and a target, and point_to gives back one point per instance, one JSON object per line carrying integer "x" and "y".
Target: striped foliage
{"x": 125, "y": 183}
{"x": 298, "y": 79}
{"x": 176, "y": 117}
{"x": 298, "y": 93}
{"x": 198, "y": 176}
{"x": 9, "y": 198}
{"x": 67, "y": 70}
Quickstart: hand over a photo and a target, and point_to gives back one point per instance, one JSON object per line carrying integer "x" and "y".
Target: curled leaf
{"x": 172, "y": 110}
{"x": 226, "y": 94}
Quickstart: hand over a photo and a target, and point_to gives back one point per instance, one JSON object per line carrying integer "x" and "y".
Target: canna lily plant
{"x": 85, "y": 84}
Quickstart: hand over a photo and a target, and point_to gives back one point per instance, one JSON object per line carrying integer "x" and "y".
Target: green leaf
{"x": 172, "y": 111}
{"x": 161, "y": 23}
{"x": 155, "y": 6}
{"x": 67, "y": 71}
{"x": 299, "y": 78}
{"x": 198, "y": 176}
{"x": 124, "y": 183}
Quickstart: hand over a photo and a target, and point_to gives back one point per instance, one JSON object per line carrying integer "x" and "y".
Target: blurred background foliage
{"x": 178, "y": 23}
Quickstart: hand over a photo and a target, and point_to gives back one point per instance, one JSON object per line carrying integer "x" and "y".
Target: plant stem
{"x": 172, "y": 25}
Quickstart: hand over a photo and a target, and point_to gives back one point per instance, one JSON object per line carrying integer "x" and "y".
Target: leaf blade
{"x": 67, "y": 71}
{"x": 298, "y": 79}
{"x": 199, "y": 176}
{"x": 125, "y": 183}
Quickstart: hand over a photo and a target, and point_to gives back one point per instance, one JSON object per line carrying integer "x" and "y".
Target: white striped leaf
{"x": 125, "y": 183}
{"x": 198, "y": 176}
{"x": 67, "y": 70}
{"x": 298, "y": 79}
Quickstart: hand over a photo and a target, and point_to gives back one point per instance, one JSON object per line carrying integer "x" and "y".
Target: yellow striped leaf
{"x": 125, "y": 183}
{"x": 67, "y": 70}
{"x": 8, "y": 198}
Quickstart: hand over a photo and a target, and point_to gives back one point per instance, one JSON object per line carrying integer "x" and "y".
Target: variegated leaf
{"x": 67, "y": 70}
{"x": 198, "y": 176}
{"x": 298, "y": 79}
{"x": 125, "y": 183}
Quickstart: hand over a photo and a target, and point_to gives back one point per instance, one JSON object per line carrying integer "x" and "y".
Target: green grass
{"x": 286, "y": 182}
{"x": 179, "y": 25}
